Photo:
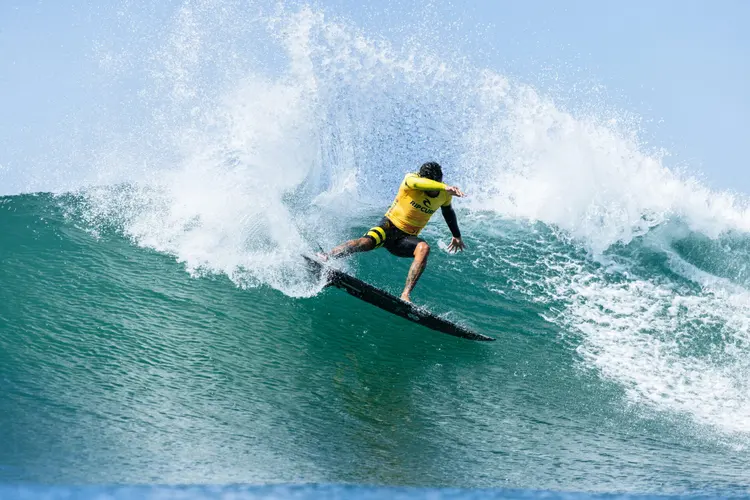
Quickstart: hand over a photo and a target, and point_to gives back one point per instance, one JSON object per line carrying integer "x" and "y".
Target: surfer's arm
{"x": 415, "y": 182}
{"x": 450, "y": 218}
{"x": 449, "y": 215}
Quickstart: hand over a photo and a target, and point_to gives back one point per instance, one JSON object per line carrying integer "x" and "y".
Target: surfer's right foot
{"x": 405, "y": 297}
{"x": 322, "y": 256}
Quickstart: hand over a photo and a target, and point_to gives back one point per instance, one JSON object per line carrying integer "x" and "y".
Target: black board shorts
{"x": 394, "y": 240}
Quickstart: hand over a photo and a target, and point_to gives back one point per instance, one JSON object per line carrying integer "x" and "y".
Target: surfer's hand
{"x": 454, "y": 191}
{"x": 456, "y": 245}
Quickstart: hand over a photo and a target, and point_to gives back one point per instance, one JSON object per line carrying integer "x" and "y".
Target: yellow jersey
{"x": 413, "y": 207}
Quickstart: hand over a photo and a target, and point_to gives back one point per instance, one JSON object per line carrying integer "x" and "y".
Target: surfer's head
{"x": 431, "y": 170}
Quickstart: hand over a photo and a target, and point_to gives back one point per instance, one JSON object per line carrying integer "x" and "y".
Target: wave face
{"x": 245, "y": 136}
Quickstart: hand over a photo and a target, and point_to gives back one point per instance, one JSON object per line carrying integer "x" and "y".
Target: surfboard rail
{"x": 392, "y": 304}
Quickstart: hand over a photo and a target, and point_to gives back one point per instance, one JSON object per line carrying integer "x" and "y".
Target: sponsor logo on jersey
{"x": 421, "y": 208}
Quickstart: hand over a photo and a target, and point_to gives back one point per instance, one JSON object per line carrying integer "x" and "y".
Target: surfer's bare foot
{"x": 322, "y": 256}
{"x": 405, "y": 297}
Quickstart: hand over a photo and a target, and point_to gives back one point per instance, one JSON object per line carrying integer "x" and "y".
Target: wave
{"x": 590, "y": 342}
{"x": 650, "y": 316}
{"x": 271, "y": 160}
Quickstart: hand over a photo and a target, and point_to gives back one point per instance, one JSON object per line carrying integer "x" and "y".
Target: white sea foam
{"x": 674, "y": 345}
{"x": 645, "y": 336}
{"x": 583, "y": 174}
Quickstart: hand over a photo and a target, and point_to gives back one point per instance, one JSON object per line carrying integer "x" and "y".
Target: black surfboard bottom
{"x": 394, "y": 305}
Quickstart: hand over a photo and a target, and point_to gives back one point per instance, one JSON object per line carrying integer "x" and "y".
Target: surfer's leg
{"x": 421, "y": 252}
{"x": 363, "y": 244}
{"x": 374, "y": 238}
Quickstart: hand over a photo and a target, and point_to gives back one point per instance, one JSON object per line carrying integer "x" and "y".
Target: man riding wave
{"x": 419, "y": 196}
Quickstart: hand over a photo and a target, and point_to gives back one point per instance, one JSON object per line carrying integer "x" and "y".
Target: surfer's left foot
{"x": 405, "y": 297}
{"x": 322, "y": 256}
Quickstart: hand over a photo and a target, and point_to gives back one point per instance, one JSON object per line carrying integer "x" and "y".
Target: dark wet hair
{"x": 431, "y": 170}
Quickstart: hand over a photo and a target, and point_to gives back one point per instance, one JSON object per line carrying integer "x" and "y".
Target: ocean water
{"x": 159, "y": 327}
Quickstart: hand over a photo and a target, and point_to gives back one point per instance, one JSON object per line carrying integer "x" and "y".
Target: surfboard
{"x": 388, "y": 302}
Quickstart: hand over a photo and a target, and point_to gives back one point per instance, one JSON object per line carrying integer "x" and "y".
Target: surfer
{"x": 418, "y": 198}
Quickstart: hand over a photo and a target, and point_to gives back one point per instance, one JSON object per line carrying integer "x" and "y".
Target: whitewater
{"x": 158, "y": 325}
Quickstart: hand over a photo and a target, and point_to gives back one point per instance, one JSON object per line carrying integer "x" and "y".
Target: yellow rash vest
{"x": 412, "y": 208}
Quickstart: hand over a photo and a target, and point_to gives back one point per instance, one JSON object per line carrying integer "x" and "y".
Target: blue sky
{"x": 682, "y": 65}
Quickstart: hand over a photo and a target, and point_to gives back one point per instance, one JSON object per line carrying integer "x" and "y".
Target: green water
{"x": 117, "y": 366}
